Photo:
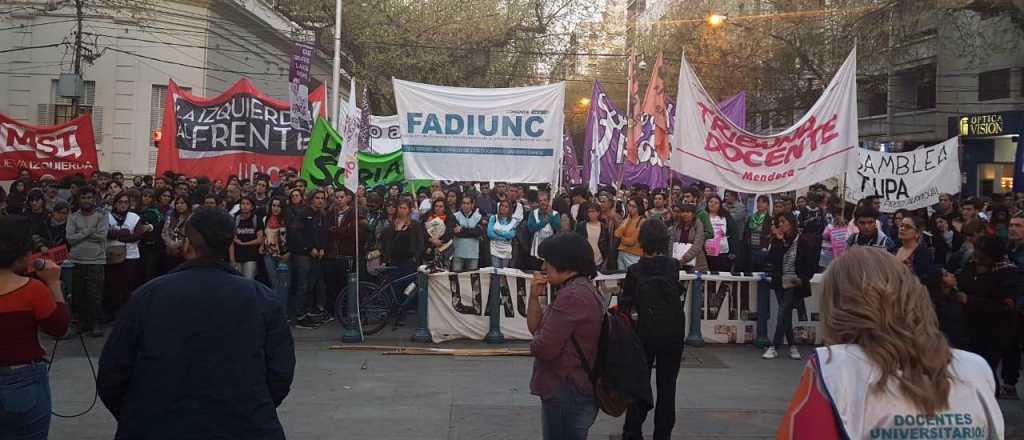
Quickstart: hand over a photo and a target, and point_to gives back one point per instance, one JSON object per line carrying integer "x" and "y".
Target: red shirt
{"x": 22, "y": 313}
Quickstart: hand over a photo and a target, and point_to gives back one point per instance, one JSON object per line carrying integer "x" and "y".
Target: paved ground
{"x": 725, "y": 392}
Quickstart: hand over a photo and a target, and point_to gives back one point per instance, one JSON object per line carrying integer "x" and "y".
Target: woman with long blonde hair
{"x": 886, "y": 370}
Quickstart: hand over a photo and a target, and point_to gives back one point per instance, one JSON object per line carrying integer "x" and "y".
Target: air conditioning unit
{"x": 70, "y": 85}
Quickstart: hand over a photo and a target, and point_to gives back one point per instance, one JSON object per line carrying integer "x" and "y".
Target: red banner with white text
{"x": 54, "y": 150}
{"x": 239, "y": 132}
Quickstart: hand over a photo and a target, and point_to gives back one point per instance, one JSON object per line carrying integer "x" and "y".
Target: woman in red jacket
{"x": 26, "y": 306}
{"x": 569, "y": 325}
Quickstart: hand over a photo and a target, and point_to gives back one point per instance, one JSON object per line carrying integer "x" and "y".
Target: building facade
{"x": 954, "y": 67}
{"x": 129, "y": 56}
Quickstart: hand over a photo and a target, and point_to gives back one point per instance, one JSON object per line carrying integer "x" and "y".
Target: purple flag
{"x": 570, "y": 168}
{"x": 735, "y": 108}
{"x": 604, "y": 141}
{"x": 649, "y": 170}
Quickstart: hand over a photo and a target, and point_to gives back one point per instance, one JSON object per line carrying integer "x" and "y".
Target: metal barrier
{"x": 730, "y": 316}
{"x": 422, "y": 331}
{"x": 494, "y": 335}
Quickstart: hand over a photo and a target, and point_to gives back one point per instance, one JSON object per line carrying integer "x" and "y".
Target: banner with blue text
{"x": 467, "y": 134}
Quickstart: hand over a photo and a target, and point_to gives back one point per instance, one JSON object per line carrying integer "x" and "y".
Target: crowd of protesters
{"x": 967, "y": 254}
{"x": 121, "y": 233}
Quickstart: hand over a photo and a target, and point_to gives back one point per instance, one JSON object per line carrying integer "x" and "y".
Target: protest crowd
{"x": 121, "y": 233}
{"x": 906, "y": 295}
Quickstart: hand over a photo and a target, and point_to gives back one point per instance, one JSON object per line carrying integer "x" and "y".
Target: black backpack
{"x": 660, "y": 310}
{"x": 620, "y": 373}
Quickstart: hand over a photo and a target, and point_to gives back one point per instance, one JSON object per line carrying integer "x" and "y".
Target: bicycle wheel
{"x": 375, "y": 307}
{"x": 341, "y": 304}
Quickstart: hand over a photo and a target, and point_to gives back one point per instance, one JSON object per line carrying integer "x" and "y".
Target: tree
{"x": 487, "y": 43}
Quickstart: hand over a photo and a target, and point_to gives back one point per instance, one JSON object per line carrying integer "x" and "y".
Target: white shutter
{"x": 97, "y": 123}
{"x": 157, "y": 103}
{"x": 89, "y": 97}
{"x": 45, "y": 114}
{"x": 157, "y": 100}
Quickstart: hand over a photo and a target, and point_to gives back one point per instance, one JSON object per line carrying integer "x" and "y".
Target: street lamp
{"x": 584, "y": 102}
{"x": 716, "y": 20}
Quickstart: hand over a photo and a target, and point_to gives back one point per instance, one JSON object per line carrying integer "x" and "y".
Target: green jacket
{"x": 702, "y": 215}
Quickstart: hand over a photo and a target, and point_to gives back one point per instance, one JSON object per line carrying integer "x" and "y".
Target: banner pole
{"x": 336, "y": 68}
{"x": 842, "y": 198}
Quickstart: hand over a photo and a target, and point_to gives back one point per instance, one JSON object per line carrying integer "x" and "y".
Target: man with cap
{"x": 201, "y": 352}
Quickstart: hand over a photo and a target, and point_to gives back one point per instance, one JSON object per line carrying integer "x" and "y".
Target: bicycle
{"x": 378, "y": 302}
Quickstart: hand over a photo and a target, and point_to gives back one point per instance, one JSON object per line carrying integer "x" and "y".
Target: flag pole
{"x": 336, "y": 68}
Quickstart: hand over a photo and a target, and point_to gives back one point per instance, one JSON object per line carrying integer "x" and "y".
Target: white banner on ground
{"x": 910, "y": 180}
{"x": 385, "y": 135}
{"x": 466, "y": 134}
{"x": 711, "y": 148}
{"x": 456, "y": 308}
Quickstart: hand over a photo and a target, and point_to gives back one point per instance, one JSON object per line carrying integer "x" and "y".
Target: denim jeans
{"x": 500, "y": 263}
{"x": 784, "y": 322}
{"x": 248, "y": 269}
{"x": 627, "y": 259}
{"x": 464, "y": 264}
{"x": 25, "y": 403}
{"x": 278, "y": 285}
{"x": 568, "y": 415}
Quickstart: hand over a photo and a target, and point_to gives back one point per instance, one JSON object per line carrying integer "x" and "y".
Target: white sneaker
{"x": 770, "y": 353}
{"x": 794, "y": 353}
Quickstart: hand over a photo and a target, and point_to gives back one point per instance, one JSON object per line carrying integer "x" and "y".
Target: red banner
{"x": 57, "y": 254}
{"x": 55, "y": 150}
{"x": 239, "y": 132}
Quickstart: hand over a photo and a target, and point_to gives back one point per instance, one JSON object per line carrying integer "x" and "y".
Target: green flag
{"x": 386, "y": 169}
{"x": 382, "y": 169}
{"x": 320, "y": 164}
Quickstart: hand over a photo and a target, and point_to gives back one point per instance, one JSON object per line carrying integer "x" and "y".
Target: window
{"x": 874, "y": 96}
{"x": 58, "y": 109}
{"x": 63, "y": 108}
{"x": 994, "y": 84}
{"x": 925, "y": 87}
{"x": 914, "y": 89}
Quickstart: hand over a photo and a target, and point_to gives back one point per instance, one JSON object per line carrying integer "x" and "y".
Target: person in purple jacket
{"x": 568, "y": 408}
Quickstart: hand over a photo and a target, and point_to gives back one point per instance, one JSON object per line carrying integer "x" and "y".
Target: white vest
{"x": 973, "y": 413}
{"x": 130, "y": 220}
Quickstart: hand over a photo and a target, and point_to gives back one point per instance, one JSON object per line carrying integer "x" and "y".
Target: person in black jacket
{"x": 652, "y": 289}
{"x": 590, "y": 222}
{"x": 792, "y": 261}
{"x": 756, "y": 236}
{"x": 990, "y": 285}
{"x": 307, "y": 240}
{"x": 169, "y": 371}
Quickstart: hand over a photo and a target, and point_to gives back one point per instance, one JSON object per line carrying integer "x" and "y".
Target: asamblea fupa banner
{"x": 910, "y": 180}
